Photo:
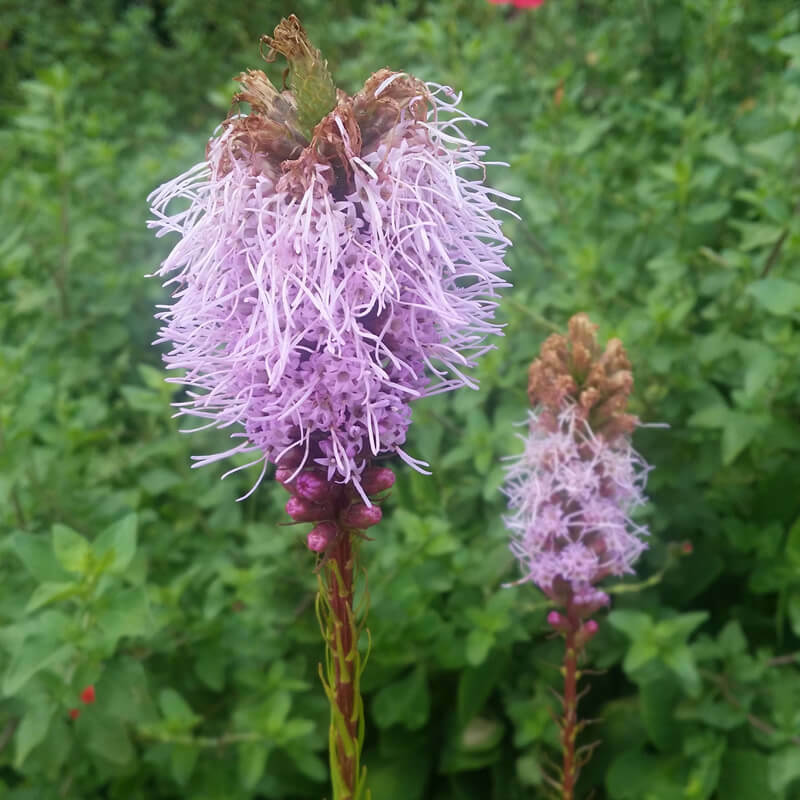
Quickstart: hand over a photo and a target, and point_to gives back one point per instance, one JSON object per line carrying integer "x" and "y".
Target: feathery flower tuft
{"x": 573, "y": 488}
{"x": 571, "y": 493}
{"x": 319, "y": 286}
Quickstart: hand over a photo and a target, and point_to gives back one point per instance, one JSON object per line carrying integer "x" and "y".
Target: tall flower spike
{"x": 338, "y": 257}
{"x": 318, "y": 287}
{"x": 570, "y": 497}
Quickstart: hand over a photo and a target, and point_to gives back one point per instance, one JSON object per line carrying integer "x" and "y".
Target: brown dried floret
{"x": 575, "y": 368}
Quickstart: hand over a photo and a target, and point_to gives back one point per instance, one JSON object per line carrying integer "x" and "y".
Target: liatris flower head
{"x": 339, "y": 258}
{"x": 572, "y": 490}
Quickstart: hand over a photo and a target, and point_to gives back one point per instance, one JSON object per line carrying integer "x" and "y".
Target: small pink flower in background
{"x": 518, "y": 3}
{"x": 88, "y": 695}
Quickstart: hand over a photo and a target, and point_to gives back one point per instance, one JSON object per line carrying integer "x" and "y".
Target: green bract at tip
{"x": 308, "y": 77}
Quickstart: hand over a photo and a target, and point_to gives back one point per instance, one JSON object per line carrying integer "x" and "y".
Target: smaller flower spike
{"x": 572, "y": 490}
{"x": 571, "y": 494}
{"x": 88, "y": 695}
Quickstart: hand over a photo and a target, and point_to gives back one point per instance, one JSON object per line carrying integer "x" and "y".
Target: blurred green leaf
{"x": 32, "y": 729}
{"x": 71, "y": 549}
{"x": 783, "y": 768}
{"x": 47, "y": 593}
{"x": 34, "y": 655}
{"x": 405, "y": 702}
{"x": 252, "y": 761}
{"x": 118, "y": 543}
{"x": 776, "y": 295}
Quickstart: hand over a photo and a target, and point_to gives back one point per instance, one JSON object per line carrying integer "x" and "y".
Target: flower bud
{"x": 321, "y": 536}
{"x": 361, "y": 517}
{"x": 555, "y": 620}
{"x": 377, "y": 479}
{"x": 88, "y": 695}
{"x": 312, "y": 486}
{"x": 302, "y": 510}
{"x": 74, "y": 713}
{"x": 585, "y": 633}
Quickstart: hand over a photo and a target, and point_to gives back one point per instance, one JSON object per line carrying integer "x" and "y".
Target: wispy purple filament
{"x": 571, "y": 494}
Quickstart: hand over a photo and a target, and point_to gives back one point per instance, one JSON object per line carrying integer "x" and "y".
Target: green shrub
{"x": 654, "y": 145}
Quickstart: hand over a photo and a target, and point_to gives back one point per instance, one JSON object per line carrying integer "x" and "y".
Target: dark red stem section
{"x": 340, "y": 592}
{"x": 569, "y": 722}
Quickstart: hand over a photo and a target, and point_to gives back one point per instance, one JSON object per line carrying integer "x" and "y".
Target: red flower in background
{"x": 88, "y": 695}
{"x": 519, "y": 3}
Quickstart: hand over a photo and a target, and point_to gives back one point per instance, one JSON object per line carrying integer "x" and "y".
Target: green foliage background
{"x": 654, "y": 144}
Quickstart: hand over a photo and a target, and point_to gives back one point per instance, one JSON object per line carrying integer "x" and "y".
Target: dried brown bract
{"x": 575, "y": 367}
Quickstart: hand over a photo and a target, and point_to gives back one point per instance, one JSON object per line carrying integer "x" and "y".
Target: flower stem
{"x": 342, "y": 675}
{"x": 569, "y": 722}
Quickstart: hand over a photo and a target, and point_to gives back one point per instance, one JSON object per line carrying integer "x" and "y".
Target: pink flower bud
{"x": 377, "y": 479}
{"x": 302, "y": 510}
{"x": 585, "y": 633}
{"x": 555, "y": 619}
{"x": 312, "y": 486}
{"x": 361, "y": 517}
{"x": 321, "y": 536}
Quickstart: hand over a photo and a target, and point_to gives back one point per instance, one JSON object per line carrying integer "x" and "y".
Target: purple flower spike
{"x": 361, "y": 517}
{"x": 572, "y": 491}
{"x": 318, "y": 287}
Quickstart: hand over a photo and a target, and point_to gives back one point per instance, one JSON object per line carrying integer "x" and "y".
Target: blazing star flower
{"x": 329, "y": 270}
{"x": 572, "y": 490}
